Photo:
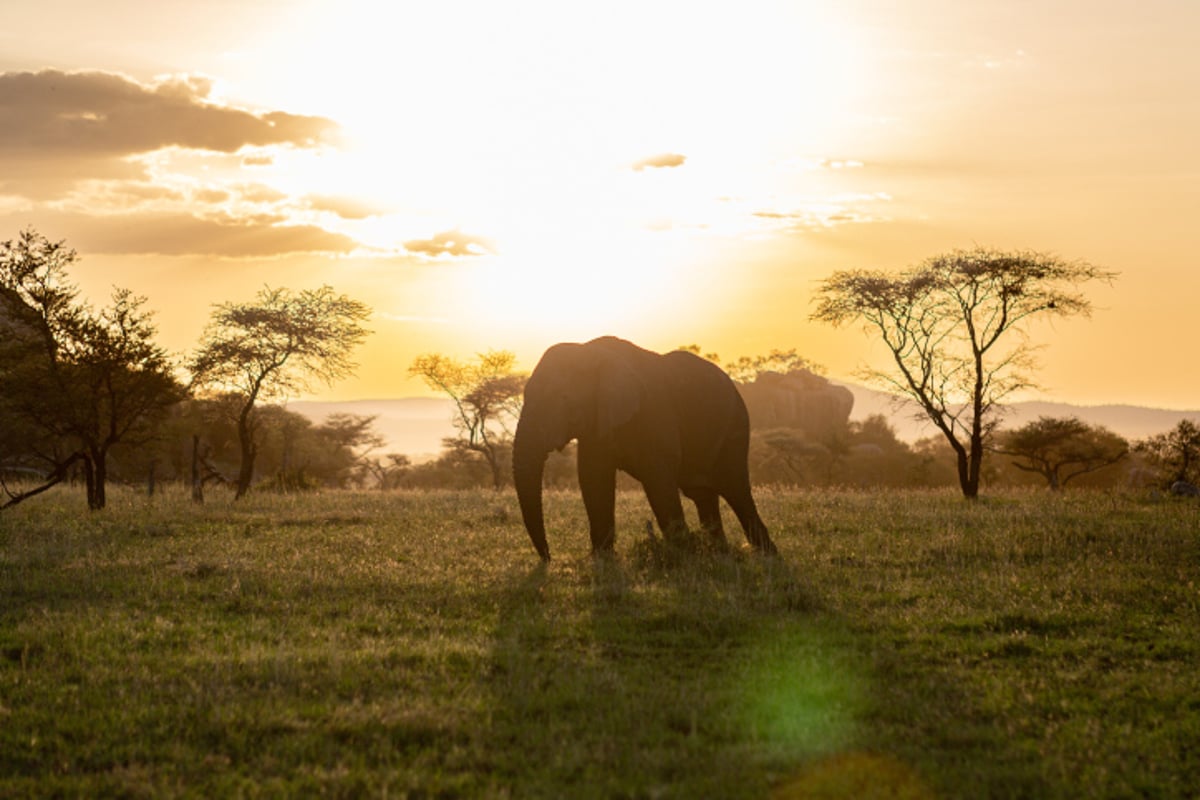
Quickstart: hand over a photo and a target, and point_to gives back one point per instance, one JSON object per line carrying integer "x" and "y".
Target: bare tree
{"x": 1061, "y": 449}
{"x": 945, "y": 323}
{"x": 487, "y": 400}
{"x": 277, "y": 346}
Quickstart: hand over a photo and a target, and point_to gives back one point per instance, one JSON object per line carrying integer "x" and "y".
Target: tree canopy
{"x": 1175, "y": 454}
{"x": 745, "y": 369}
{"x": 1061, "y": 449}
{"x": 278, "y": 345}
{"x": 487, "y": 398}
{"x": 946, "y": 323}
{"x": 74, "y": 382}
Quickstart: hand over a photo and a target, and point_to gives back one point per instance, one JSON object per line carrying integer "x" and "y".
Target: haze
{"x": 510, "y": 175}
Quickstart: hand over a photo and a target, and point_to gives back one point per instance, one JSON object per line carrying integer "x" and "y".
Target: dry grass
{"x": 409, "y": 645}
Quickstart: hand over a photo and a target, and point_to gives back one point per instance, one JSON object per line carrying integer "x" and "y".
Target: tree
{"x": 274, "y": 347}
{"x": 121, "y": 385}
{"x": 386, "y": 472}
{"x": 694, "y": 349}
{"x": 1176, "y": 453}
{"x": 345, "y": 443}
{"x": 945, "y": 322}
{"x": 75, "y": 382}
{"x": 1061, "y": 449}
{"x": 746, "y": 368}
{"x": 487, "y": 400}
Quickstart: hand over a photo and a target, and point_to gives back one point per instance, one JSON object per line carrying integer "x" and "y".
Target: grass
{"x": 908, "y": 644}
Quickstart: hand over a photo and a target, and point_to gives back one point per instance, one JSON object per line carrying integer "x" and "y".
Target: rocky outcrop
{"x": 799, "y": 399}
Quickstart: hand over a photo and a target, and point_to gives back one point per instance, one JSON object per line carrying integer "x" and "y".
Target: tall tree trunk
{"x": 99, "y": 497}
{"x": 493, "y": 459}
{"x": 245, "y": 430}
{"x": 974, "y": 466}
{"x": 246, "y": 469}
{"x": 197, "y": 479}
{"x": 93, "y": 474}
{"x": 969, "y": 486}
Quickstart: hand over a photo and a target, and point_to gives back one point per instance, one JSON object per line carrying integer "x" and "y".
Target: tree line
{"x": 956, "y": 327}
{"x": 1053, "y": 452}
{"x": 87, "y": 393}
{"x": 79, "y": 384}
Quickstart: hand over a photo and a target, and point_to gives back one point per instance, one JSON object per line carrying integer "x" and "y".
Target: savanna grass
{"x": 410, "y": 644}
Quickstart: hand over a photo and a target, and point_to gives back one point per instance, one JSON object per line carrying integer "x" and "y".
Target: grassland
{"x": 392, "y": 645}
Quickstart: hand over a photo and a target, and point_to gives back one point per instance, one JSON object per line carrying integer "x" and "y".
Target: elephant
{"x": 674, "y": 421}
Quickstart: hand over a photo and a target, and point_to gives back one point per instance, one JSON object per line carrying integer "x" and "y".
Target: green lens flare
{"x": 802, "y": 693}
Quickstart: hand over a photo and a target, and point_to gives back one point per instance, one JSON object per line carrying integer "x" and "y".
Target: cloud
{"x": 211, "y": 195}
{"x": 450, "y": 243}
{"x": 663, "y": 160}
{"x": 812, "y": 164}
{"x": 823, "y": 214}
{"x": 260, "y": 193}
{"x": 57, "y": 128}
{"x": 134, "y": 194}
{"x": 344, "y": 207}
{"x": 178, "y": 234}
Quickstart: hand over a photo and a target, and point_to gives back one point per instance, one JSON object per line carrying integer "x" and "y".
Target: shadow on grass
{"x": 662, "y": 679}
{"x": 722, "y": 674}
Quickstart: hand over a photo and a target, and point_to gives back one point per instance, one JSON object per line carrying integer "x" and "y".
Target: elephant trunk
{"x": 529, "y": 461}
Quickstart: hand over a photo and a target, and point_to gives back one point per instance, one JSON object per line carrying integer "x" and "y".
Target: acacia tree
{"x": 946, "y": 323}
{"x": 121, "y": 385}
{"x": 277, "y": 346}
{"x": 746, "y": 368}
{"x": 1175, "y": 453}
{"x": 487, "y": 399}
{"x": 74, "y": 382}
{"x": 346, "y": 443}
{"x": 1061, "y": 449}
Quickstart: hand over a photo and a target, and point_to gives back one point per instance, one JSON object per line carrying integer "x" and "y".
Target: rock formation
{"x": 799, "y": 399}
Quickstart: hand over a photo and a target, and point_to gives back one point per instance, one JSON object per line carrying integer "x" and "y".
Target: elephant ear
{"x": 618, "y": 394}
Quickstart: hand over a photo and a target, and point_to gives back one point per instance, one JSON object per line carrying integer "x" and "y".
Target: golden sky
{"x": 506, "y": 175}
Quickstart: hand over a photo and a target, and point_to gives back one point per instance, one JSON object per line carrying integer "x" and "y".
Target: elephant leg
{"x": 708, "y": 507}
{"x": 598, "y": 484}
{"x": 742, "y": 502}
{"x": 667, "y": 507}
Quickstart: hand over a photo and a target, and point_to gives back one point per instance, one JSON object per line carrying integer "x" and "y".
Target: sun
{"x": 576, "y": 287}
{"x": 531, "y": 125}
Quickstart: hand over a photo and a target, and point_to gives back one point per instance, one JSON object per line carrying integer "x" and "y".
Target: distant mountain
{"x": 1132, "y": 422}
{"x": 416, "y": 426}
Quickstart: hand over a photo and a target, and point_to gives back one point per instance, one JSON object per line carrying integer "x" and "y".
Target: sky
{"x": 509, "y": 175}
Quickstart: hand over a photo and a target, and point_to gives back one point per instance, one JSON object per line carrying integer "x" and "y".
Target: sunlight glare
{"x": 457, "y": 118}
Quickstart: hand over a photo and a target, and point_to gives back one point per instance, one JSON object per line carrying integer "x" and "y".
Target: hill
{"x": 1132, "y": 422}
{"x": 416, "y": 426}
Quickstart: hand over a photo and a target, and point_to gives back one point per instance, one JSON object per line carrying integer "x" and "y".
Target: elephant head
{"x": 576, "y": 390}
